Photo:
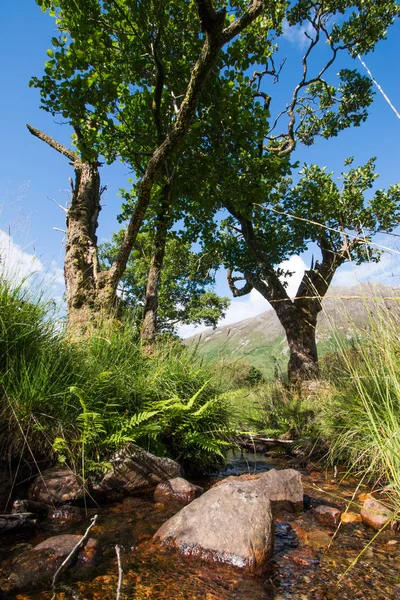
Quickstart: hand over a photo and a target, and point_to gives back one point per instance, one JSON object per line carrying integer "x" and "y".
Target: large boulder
{"x": 135, "y": 471}
{"x": 56, "y": 486}
{"x": 233, "y": 521}
{"x": 178, "y": 490}
{"x": 285, "y": 489}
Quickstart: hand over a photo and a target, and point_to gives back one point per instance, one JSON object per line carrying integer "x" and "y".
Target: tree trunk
{"x": 81, "y": 262}
{"x": 149, "y": 325}
{"x": 303, "y": 360}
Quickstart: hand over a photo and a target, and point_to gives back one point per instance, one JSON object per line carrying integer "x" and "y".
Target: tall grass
{"x": 361, "y": 422}
{"x": 79, "y": 402}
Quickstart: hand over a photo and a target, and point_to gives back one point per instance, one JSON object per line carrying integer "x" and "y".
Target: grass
{"x": 361, "y": 423}
{"x": 79, "y": 402}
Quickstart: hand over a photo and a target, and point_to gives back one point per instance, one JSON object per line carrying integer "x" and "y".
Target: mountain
{"x": 346, "y": 312}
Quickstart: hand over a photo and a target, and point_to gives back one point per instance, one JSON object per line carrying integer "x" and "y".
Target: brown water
{"x": 298, "y": 571}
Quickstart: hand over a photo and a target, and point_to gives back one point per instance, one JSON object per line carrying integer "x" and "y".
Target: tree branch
{"x": 246, "y": 289}
{"x": 52, "y": 143}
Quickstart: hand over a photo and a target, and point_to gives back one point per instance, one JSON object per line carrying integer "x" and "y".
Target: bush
{"x": 80, "y": 402}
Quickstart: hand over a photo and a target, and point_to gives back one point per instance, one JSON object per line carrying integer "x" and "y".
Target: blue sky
{"x": 31, "y": 174}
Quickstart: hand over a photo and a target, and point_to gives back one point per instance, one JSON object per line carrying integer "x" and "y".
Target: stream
{"x": 303, "y": 566}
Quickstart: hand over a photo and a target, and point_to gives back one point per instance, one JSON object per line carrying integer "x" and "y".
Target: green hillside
{"x": 261, "y": 340}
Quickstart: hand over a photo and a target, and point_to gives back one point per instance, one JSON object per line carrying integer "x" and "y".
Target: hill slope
{"x": 261, "y": 340}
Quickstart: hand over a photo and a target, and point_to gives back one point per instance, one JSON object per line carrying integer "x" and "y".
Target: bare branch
{"x": 52, "y": 143}
{"x": 120, "y": 573}
{"x": 72, "y": 555}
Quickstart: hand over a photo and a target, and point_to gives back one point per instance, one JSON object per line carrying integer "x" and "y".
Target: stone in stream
{"x": 58, "y": 485}
{"x": 350, "y": 517}
{"x": 37, "y": 566}
{"x": 135, "y": 471}
{"x": 233, "y": 522}
{"x": 327, "y": 515}
{"x": 375, "y": 514}
{"x": 177, "y": 489}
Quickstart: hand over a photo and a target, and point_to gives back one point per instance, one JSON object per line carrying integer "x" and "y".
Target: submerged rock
{"x": 233, "y": 522}
{"x": 177, "y": 489}
{"x": 327, "y": 515}
{"x": 37, "y": 566}
{"x": 58, "y": 485}
{"x": 318, "y": 539}
{"x": 349, "y": 517}
{"x": 135, "y": 471}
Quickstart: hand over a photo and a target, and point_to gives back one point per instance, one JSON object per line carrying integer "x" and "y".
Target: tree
{"x": 336, "y": 216}
{"x": 188, "y": 277}
{"x": 241, "y": 167}
{"x": 81, "y": 267}
{"x": 150, "y": 73}
{"x": 123, "y": 60}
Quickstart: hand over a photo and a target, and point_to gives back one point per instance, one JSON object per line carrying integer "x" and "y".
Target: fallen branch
{"x": 120, "y": 573}
{"x": 72, "y": 555}
{"x": 25, "y": 520}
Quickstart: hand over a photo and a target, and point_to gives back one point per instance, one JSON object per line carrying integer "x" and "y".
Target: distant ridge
{"x": 261, "y": 340}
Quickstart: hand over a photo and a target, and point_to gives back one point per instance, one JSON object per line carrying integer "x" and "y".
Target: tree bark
{"x": 81, "y": 267}
{"x": 298, "y": 317}
{"x": 81, "y": 271}
{"x": 149, "y": 325}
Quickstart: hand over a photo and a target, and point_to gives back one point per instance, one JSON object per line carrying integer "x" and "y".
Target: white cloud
{"x": 20, "y": 267}
{"x": 296, "y": 266}
{"x": 297, "y": 34}
{"x": 386, "y": 271}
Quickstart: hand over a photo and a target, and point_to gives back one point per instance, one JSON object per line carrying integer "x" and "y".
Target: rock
{"x": 24, "y": 506}
{"x": 318, "y": 539}
{"x": 231, "y": 523}
{"x": 57, "y": 485}
{"x": 285, "y": 489}
{"x": 135, "y": 471}
{"x": 37, "y": 566}
{"x": 327, "y": 515}
{"x": 303, "y": 557}
{"x": 62, "y": 545}
{"x": 17, "y": 522}
{"x": 349, "y": 517}
{"x": 177, "y": 489}
{"x": 375, "y": 514}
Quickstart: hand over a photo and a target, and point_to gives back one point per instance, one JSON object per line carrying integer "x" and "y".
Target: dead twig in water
{"x": 120, "y": 573}
{"x": 71, "y": 556}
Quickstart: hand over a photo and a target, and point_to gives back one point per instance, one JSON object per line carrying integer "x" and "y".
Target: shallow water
{"x": 297, "y": 571}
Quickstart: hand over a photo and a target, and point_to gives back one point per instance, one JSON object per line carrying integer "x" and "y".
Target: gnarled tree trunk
{"x": 81, "y": 261}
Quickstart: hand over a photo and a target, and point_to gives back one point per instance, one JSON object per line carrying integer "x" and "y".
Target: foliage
{"x": 187, "y": 280}
{"x": 361, "y": 423}
{"x": 79, "y": 402}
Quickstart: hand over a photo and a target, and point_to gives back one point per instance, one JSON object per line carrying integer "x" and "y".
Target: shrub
{"x": 79, "y": 402}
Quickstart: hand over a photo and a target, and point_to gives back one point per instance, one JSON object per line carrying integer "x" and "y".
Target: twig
{"x": 118, "y": 553}
{"x": 72, "y": 555}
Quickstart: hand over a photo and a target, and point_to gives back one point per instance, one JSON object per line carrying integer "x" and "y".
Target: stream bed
{"x": 303, "y": 567}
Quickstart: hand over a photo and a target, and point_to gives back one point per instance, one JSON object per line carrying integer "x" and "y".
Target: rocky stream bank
{"x": 255, "y": 531}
